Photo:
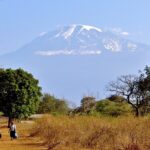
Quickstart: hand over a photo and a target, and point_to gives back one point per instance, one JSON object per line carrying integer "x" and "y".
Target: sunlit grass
{"x": 99, "y": 133}
{"x": 24, "y": 141}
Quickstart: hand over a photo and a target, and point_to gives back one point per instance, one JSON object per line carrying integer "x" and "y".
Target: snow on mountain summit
{"x": 67, "y": 31}
{"x": 86, "y": 27}
{"x": 80, "y": 39}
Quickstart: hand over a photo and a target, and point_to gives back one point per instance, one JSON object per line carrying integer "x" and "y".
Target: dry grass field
{"x": 93, "y": 133}
{"x": 79, "y": 133}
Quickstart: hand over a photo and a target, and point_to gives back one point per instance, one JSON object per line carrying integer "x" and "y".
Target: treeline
{"x": 112, "y": 106}
{"x": 21, "y": 96}
{"x": 129, "y": 94}
{"x": 53, "y": 105}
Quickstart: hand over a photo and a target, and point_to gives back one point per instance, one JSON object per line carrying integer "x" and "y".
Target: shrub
{"x": 113, "y": 108}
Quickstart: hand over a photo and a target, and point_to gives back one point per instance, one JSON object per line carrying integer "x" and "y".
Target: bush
{"x": 113, "y": 108}
{"x": 50, "y": 104}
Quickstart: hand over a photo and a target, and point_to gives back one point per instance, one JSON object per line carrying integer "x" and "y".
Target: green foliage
{"x": 47, "y": 104}
{"x": 88, "y": 104}
{"x": 19, "y": 93}
{"x": 61, "y": 106}
{"x": 144, "y": 86}
{"x": 1, "y": 113}
{"x": 112, "y": 108}
{"x": 50, "y": 104}
{"x": 116, "y": 98}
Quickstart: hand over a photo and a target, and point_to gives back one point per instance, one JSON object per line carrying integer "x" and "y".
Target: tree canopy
{"x": 50, "y": 104}
{"x": 19, "y": 93}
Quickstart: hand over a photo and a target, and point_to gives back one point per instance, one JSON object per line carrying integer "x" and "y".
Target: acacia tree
{"x": 19, "y": 93}
{"x": 128, "y": 87}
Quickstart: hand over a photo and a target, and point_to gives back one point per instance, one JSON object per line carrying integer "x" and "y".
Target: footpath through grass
{"x": 24, "y": 142}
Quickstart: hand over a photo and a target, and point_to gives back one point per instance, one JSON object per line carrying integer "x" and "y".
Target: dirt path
{"x": 24, "y": 142}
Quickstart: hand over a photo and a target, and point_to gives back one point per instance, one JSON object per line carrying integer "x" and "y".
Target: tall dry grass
{"x": 93, "y": 133}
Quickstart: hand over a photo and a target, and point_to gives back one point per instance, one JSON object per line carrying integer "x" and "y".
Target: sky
{"x": 23, "y": 20}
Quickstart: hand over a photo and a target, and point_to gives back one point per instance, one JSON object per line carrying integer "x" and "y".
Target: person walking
{"x": 12, "y": 130}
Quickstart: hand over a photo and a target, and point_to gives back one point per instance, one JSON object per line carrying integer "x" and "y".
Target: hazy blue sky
{"x": 22, "y": 20}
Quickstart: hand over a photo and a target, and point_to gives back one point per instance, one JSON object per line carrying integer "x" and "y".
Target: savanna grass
{"x": 93, "y": 133}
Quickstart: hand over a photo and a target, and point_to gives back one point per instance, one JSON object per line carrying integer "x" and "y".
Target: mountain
{"x": 79, "y": 40}
{"x": 76, "y": 60}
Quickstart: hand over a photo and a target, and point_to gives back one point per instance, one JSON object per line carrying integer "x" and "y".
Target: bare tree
{"x": 128, "y": 87}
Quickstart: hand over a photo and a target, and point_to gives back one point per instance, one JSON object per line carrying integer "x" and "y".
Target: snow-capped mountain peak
{"x": 67, "y": 31}
{"x": 80, "y": 39}
{"x": 87, "y": 27}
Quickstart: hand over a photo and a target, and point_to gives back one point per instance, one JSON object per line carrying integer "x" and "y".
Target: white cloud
{"x": 125, "y": 33}
{"x": 68, "y": 52}
{"x": 120, "y": 31}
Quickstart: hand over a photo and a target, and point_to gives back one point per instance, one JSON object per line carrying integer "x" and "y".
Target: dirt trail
{"x": 24, "y": 142}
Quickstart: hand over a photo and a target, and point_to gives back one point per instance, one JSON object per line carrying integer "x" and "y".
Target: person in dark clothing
{"x": 12, "y": 131}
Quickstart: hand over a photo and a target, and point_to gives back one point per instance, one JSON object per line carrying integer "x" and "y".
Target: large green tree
{"x": 19, "y": 93}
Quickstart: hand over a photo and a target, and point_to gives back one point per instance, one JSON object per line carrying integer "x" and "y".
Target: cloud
{"x": 68, "y": 52}
{"x": 120, "y": 31}
{"x": 125, "y": 33}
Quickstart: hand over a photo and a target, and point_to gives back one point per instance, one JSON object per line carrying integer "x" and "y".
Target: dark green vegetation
{"x": 113, "y": 106}
{"x": 19, "y": 93}
{"x": 50, "y": 104}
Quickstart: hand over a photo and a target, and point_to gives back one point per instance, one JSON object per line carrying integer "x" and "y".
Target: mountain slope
{"x": 78, "y": 59}
{"x": 78, "y": 38}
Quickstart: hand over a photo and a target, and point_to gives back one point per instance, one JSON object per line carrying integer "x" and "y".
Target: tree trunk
{"x": 137, "y": 112}
{"x": 9, "y": 121}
